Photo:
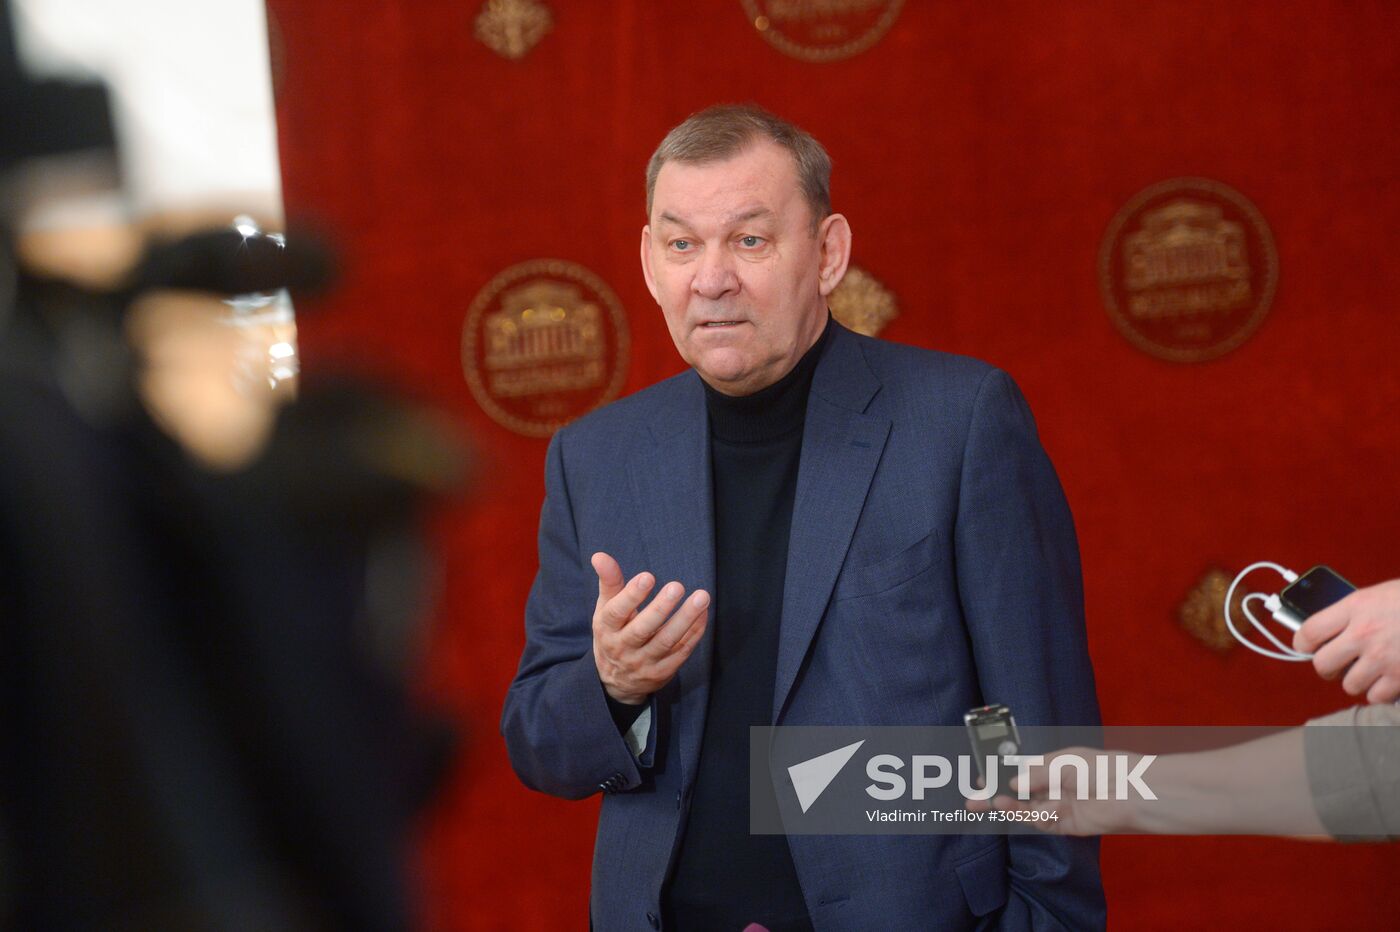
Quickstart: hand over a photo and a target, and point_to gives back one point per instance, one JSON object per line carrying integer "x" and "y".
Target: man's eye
{"x": 750, "y": 242}
{"x": 680, "y": 245}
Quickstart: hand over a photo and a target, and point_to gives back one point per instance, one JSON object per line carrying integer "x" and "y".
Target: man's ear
{"x": 646, "y": 263}
{"x": 835, "y": 236}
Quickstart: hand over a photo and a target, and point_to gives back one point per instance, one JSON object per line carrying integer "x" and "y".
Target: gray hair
{"x": 721, "y": 132}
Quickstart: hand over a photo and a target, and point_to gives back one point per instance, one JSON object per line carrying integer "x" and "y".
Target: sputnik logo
{"x": 811, "y": 777}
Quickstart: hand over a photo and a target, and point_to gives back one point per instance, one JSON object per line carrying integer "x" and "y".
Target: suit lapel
{"x": 670, "y": 474}
{"x": 841, "y": 447}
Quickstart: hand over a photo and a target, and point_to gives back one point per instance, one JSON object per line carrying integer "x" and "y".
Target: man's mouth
{"x": 721, "y": 323}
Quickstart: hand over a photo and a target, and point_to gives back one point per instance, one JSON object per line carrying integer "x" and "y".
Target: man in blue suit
{"x": 852, "y": 532}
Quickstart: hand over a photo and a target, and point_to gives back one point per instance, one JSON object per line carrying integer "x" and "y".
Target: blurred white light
{"x": 191, "y": 90}
{"x": 245, "y": 225}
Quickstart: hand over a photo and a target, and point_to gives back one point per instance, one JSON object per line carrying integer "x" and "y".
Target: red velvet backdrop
{"x": 981, "y": 151}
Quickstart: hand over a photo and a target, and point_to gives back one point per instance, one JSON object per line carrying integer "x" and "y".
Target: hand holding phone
{"x": 1359, "y": 641}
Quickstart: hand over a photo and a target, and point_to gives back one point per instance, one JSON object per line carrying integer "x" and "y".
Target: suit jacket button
{"x": 655, "y": 923}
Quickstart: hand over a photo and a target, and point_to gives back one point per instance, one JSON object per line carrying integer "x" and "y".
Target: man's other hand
{"x": 1362, "y": 632}
{"x": 1069, "y": 814}
{"x": 637, "y": 652}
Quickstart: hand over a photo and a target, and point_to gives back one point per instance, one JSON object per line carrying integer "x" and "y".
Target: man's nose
{"x": 715, "y": 276}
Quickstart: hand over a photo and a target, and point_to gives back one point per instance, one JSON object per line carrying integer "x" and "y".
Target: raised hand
{"x": 638, "y": 650}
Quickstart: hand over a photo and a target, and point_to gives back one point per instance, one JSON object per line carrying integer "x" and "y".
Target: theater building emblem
{"x": 1188, "y": 269}
{"x": 543, "y": 343}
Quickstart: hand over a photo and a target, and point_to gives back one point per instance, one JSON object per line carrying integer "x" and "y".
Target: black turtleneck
{"x": 724, "y": 877}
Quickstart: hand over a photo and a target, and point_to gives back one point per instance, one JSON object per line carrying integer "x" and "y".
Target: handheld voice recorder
{"x": 992, "y": 731}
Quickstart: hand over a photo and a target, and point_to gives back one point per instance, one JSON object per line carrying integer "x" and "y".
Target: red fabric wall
{"x": 981, "y": 152}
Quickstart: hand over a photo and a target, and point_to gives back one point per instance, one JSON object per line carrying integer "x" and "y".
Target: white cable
{"x": 1276, "y": 655}
{"x": 1284, "y": 652}
{"x": 1282, "y": 615}
{"x": 1290, "y": 653}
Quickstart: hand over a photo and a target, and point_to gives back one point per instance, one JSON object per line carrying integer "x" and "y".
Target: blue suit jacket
{"x": 932, "y": 567}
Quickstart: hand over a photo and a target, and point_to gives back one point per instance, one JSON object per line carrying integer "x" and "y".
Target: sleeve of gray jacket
{"x": 1353, "y": 761}
{"x": 561, "y": 738}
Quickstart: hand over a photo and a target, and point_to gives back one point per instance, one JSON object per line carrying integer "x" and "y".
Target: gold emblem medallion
{"x": 510, "y": 28}
{"x": 1202, "y": 612}
{"x": 862, "y": 304}
{"x": 822, "y": 30}
{"x": 544, "y": 342}
{"x": 1188, "y": 269}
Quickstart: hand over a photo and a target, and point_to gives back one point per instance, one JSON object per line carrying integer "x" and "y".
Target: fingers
{"x": 697, "y": 630}
{"x": 1015, "y": 804}
{"x": 1037, "y": 781}
{"x": 668, "y": 637}
{"x": 1322, "y": 627}
{"x": 609, "y": 577}
{"x": 618, "y": 610}
{"x": 1361, "y": 677}
{"x": 617, "y": 605}
{"x": 671, "y": 662}
{"x": 1332, "y": 658}
{"x": 1038, "y": 776}
{"x": 638, "y": 651}
{"x": 640, "y": 630}
{"x": 1385, "y": 689}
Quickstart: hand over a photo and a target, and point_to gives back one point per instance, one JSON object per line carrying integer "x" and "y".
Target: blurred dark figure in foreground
{"x": 204, "y": 719}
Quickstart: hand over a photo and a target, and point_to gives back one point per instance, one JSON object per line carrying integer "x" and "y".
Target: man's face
{"x": 731, "y": 257}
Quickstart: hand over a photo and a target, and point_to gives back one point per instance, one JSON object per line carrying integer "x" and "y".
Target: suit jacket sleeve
{"x": 1022, "y": 597}
{"x": 560, "y": 735}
